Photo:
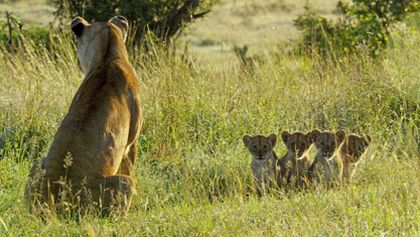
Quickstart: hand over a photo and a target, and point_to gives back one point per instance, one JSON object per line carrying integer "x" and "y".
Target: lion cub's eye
{"x": 255, "y": 147}
{"x": 265, "y": 147}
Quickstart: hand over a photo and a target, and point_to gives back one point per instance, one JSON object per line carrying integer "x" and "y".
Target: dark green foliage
{"x": 364, "y": 25}
{"x": 163, "y": 18}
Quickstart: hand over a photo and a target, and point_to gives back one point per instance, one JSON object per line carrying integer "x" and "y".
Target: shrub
{"x": 363, "y": 25}
{"x": 163, "y": 18}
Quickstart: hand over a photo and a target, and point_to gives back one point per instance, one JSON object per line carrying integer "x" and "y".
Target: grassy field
{"x": 193, "y": 175}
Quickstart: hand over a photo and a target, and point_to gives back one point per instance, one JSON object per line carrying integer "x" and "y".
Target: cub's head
{"x": 327, "y": 142}
{"x": 261, "y": 147}
{"x": 95, "y": 39}
{"x": 297, "y": 143}
{"x": 355, "y": 146}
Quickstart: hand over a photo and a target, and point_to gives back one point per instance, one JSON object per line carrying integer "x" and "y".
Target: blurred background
{"x": 217, "y": 31}
{"x": 256, "y": 24}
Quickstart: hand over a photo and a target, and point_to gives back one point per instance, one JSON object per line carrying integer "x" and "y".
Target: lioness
{"x": 327, "y": 164}
{"x": 351, "y": 151}
{"x": 265, "y": 166}
{"x": 296, "y": 161}
{"x": 94, "y": 150}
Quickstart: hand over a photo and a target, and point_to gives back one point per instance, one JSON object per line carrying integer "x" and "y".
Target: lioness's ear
{"x": 77, "y": 25}
{"x": 272, "y": 138}
{"x": 313, "y": 135}
{"x": 285, "y": 136}
{"x": 341, "y": 135}
{"x": 246, "y": 139}
{"x": 122, "y": 23}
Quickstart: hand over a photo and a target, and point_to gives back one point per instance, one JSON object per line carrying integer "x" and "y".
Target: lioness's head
{"x": 297, "y": 143}
{"x": 327, "y": 142}
{"x": 355, "y": 146}
{"x": 260, "y": 146}
{"x": 95, "y": 40}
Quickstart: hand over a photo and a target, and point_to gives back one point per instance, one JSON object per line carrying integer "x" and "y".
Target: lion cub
{"x": 327, "y": 164}
{"x": 296, "y": 161}
{"x": 351, "y": 151}
{"x": 265, "y": 166}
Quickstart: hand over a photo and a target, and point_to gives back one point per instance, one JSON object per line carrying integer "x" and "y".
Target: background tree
{"x": 163, "y": 18}
{"x": 364, "y": 24}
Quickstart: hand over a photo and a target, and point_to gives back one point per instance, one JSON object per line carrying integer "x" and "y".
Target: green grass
{"x": 193, "y": 175}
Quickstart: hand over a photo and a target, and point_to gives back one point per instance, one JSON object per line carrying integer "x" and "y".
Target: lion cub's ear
{"x": 77, "y": 25}
{"x": 313, "y": 135}
{"x": 285, "y": 136}
{"x": 122, "y": 23}
{"x": 246, "y": 139}
{"x": 273, "y": 139}
{"x": 341, "y": 135}
{"x": 368, "y": 139}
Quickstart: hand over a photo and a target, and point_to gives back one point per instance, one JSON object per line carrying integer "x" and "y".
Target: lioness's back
{"x": 95, "y": 146}
{"x": 100, "y": 114}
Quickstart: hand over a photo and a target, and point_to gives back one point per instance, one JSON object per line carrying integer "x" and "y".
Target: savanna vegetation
{"x": 193, "y": 174}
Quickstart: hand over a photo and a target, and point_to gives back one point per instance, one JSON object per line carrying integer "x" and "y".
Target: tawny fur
{"x": 265, "y": 164}
{"x": 351, "y": 151}
{"x": 327, "y": 165}
{"x": 94, "y": 149}
{"x": 295, "y": 161}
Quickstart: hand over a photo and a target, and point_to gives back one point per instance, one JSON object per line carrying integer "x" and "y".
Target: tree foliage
{"x": 163, "y": 18}
{"x": 364, "y": 24}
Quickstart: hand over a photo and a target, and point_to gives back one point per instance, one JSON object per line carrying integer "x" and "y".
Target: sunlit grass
{"x": 193, "y": 175}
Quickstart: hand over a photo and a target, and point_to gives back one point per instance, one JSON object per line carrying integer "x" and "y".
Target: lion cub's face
{"x": 297, "y": 143}
{"x": 355, "y": 146}
{"x": 93, "y": 39}
{"x": 261, "y": 147}
{"x": 327, "y": 143}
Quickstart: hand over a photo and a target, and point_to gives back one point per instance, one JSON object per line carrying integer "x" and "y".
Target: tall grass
{"x": 193, "y": 175}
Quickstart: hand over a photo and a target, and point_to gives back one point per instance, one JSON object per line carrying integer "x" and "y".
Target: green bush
{"x": 364, "y": 25}
{"x": 163, "y": 18}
